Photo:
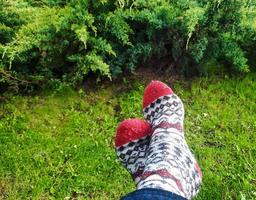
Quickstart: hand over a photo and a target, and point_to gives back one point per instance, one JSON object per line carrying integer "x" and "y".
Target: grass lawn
{"x": 59, "y": 145}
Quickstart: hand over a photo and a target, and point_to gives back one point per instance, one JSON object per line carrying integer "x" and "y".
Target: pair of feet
{"x": 155, "y": 151}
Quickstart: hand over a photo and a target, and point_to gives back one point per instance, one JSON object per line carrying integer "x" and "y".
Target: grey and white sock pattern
{"x": 170, "y": 165}
{"x": 133, "y": 155}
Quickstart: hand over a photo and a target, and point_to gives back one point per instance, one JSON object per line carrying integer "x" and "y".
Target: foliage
{"x": 60, "y": 145}
{"x": 67, "y": 40}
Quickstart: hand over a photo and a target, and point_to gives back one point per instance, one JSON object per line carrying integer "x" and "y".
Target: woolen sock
{"x": 169, "y": 165}
{"x": 131, "y": 143}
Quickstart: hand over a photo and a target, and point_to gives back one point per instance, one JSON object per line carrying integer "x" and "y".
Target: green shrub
{"x": 67, "y": 40}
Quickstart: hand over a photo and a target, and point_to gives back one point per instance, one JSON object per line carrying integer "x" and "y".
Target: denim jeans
{"x": 152, "y": 194}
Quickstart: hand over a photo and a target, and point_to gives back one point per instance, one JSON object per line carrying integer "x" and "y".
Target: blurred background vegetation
{"x": 47, "y": 42}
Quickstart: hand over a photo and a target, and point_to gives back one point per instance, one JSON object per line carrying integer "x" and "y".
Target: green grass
{"x": 60, "y": 144}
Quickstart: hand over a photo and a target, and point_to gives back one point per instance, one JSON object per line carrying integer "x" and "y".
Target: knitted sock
{"x": 170, "y": 164}
{"x": 131, "y": 142}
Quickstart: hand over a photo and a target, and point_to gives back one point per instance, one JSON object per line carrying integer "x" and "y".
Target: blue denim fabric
{"x": 152, "y": 194}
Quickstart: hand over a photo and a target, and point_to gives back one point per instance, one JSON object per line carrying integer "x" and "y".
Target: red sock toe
{"x": 130, "y": 130}
{"x": 155, "y": 90}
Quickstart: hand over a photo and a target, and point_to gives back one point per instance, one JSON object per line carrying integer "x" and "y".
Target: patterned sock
{"x": 131, "y": 142}
{"x": 170, "y": 164}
